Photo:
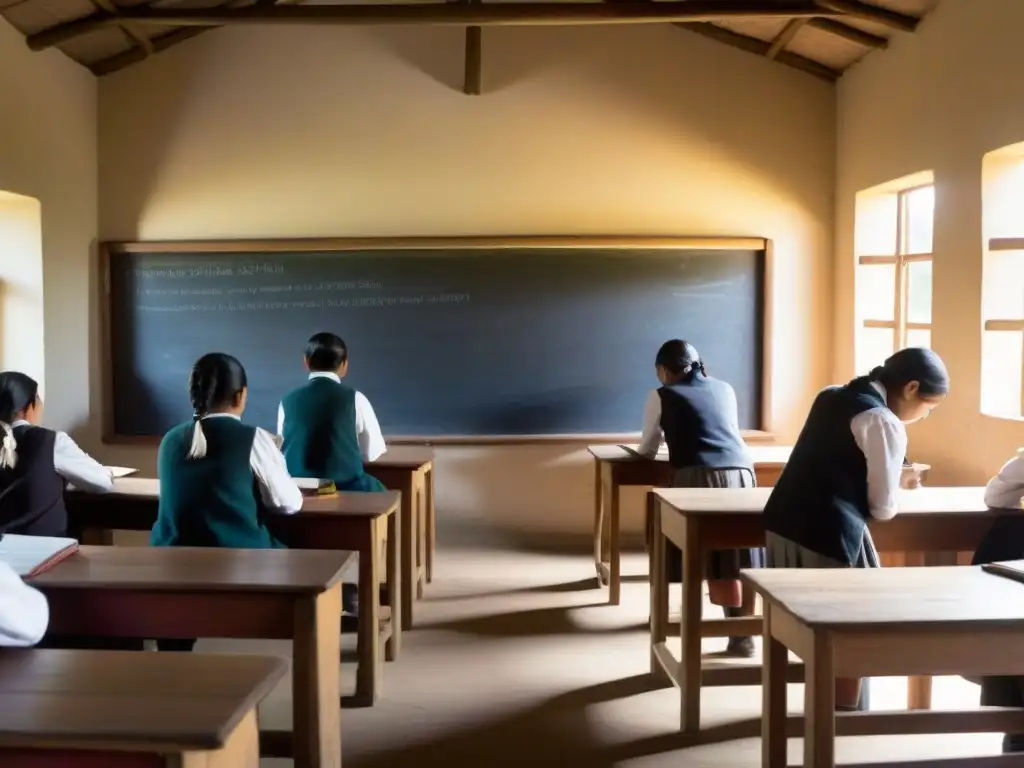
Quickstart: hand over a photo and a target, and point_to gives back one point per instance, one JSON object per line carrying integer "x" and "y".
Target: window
{"x": 1002, "y": 286}
{"x": 893, "y": 279}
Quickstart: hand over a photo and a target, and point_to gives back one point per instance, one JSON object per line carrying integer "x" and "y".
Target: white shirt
{"x": 75, "y": 465}
{"x": 24, "y": 613}
{"x": 882, "y": 438}
{"x": 1004, "y": 491}
{"x": 277, "y": 489}
{"x": 371, "y": 441}
{"x": 653, "y": 436}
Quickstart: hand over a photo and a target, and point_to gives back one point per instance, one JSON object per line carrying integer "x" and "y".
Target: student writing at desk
{"x": 845, "y": 469}
{"x": 219, "y": 476}
{"x": 698, "y": 418}
{"x": 1005, "y": 541}
{"x": 36, "y": 463}
{"x": 24, "y": 614}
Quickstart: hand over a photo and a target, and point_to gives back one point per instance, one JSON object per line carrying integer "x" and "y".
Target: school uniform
{"x": 328, "y": 430}
{"x": 1004, "y": 541}
{"x": 32, "y": 492}
{"x": 24, "y": 612}
{"x": 699, "y": 422}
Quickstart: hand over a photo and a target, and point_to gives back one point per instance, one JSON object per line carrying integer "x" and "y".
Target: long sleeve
{"x": 280, "y": 420}
{"x": 24, "y": 613}
{"x": 79, "y": 468}
{"x": 277, "y": 488}
{"x": 882, "y": 439}
{"x": 1006, "y": 489}
{"x": 371, "y": 441}
{"x": 652, "y": 437}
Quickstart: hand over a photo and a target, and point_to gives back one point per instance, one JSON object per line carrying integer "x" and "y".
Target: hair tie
{"x": 196, "y": 416}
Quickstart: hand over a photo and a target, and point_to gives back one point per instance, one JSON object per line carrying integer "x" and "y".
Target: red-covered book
{"x": 31, "y": 555}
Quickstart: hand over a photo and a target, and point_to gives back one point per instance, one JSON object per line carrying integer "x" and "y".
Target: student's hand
{"x": 910, "y": 478}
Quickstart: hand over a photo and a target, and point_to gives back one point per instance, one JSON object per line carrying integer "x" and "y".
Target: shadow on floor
{"x": 539, "y": 622}
{"x": 581, "y": 585}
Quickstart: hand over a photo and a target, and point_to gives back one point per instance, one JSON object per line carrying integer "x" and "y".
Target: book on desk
{"x": 32, "y": 555}
{"x": 315, "y": 486}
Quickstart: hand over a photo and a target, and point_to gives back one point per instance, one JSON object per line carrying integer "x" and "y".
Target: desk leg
{"x": 689, "y": 627}
{"x": 408, "y": 525}
{"x": 431, "y": 524}
{"x": 773, "y": 696}
{"x": 368, "y": 672}
{"x": 614, "y": 555}
{"x": 242, "y": 750}
{"x": 659, "y": 587}
{"x": 315, "y": 681}
{"x": 820, "y": 705}
{"x": 598, "y": 522}
{"x": 393, "y": 574}
{"x": 421, "y": 533}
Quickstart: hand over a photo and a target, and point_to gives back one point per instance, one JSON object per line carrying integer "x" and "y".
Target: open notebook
{"x": 31, "y": 555}
{"x": 662, "y": 452}
{"x": 116, "y": 472}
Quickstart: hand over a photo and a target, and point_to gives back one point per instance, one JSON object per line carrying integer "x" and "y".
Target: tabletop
{"x": 925, "y": 500}
{"x": 191, "y": 701}
{"x": 209, "y": 569}
{"x": 892, "y": 598}
{"x": 761, "y": 455}
{"x": 403, "y": 457}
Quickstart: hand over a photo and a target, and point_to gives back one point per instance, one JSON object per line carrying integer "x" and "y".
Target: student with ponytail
{"x": 698, "y": 418}
{"x": 37, "y": 463}
{"x": 845, "y": 470}
{"x": 219, "y": 476}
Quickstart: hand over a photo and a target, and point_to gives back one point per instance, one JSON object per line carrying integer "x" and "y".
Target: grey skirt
{"x": 783, "y": 553}
{"x": 720, "y": 564}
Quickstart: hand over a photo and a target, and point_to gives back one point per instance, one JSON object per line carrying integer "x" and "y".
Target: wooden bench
{"x": 366, "y": 523}
{"x": 884, "y": 622}
{"x": 180, "y": 592}
{"x": 615, "y": 467}
{"x": 97, "y": 709}
{"x": 699, "y": 520}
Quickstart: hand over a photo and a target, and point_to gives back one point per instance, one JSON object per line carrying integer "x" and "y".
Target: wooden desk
{"x": 699, "y": 520}
{"x": 615, "y": 467}
{"x": 409, "y": 470}
{"x": 96, "y": 709}
{"x": 884, "y": 622}
{"x": 181, "y": 592}
{"x": 360, "y": 522}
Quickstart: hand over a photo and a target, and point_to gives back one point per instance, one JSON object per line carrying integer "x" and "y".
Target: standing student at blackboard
{"x": 698, "y": 418}
{"x": 329, "y": 429}
{"x": 845, "y": 470}
{"x": 37, "y": 463}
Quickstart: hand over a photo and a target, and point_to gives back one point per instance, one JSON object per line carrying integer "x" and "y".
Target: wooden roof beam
{"x": 760, "y": 48}
{"x": 785, "y": 37}
{"x": 868, "y": 12}
{"x": 847, "y": 32}
{"x": 434, "y": 13}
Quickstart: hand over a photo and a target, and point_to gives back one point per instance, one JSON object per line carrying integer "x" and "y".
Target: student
{"x": 24, "y": 613}
{"x": 327, "y": 428}
{"x": 698, "y": 418}
{"x": 219, "y": 476}
{"x": 845, "y": 469}
{"x": 36, "y": 463}
{"x": 1004, "y": 541}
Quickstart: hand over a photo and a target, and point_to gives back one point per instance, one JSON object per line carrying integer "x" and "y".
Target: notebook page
{"x": 26, "y": 553}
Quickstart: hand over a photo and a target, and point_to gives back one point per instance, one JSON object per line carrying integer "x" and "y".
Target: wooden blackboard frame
{"x": 110, "y": 250}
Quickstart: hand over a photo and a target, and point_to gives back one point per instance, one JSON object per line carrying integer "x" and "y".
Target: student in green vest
{"x": 327, "y": 428}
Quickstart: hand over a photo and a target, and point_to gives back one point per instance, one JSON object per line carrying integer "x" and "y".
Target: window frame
{"x": 900, "y": 262}
{"x": 998, "y": 244}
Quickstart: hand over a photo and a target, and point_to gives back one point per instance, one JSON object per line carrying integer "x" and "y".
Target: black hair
{"x": 326, "y": 352}
{"x": 913, "y": 364}
{"x": 216, "y": 380}
{"x": 17, "y": 392}
{"x": 680, "y": 357}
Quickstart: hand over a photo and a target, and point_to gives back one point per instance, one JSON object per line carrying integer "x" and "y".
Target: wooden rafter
{"x": 845, "y": 31}
{"x": 785, "y": 37}
{"x": 867, "y": 12}
{"x": 134, "y": 36}
{"x": 453, "y": 14}
{"x": 473, "y": 72}
{"x": 760, "y": 48}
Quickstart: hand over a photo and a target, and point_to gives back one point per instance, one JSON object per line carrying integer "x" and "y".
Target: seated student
{"x": 845, "y": 469}
{"x": 36, "y": 463}
{"x": 327, "y": 428}
{"x": 698, "y": 418}
{"x": 24, "y": 613}
{"x": 1004, "y": 541}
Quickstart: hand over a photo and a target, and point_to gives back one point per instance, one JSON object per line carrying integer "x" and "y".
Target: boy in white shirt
{"x": 24, "y": 613}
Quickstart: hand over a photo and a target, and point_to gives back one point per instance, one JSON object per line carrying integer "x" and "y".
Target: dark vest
{"x": 212, "y": 501}
{"x": 699, "y": 420}
{"x": 821, "y": 500}
{"x": 32, "y": 494}
{"x": 320, "y": 437}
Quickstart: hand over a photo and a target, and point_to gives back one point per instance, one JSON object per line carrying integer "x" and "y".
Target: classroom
{"x": 858, "y": 164}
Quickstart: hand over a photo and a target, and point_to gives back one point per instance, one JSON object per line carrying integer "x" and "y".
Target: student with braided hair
{"x": 37, "y": 463}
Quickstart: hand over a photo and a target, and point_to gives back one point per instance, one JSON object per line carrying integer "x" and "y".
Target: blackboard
{"x": 444, "y": 341}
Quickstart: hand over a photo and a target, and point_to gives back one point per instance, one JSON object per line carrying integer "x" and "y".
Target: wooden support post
{"x": 474, "y": 59}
